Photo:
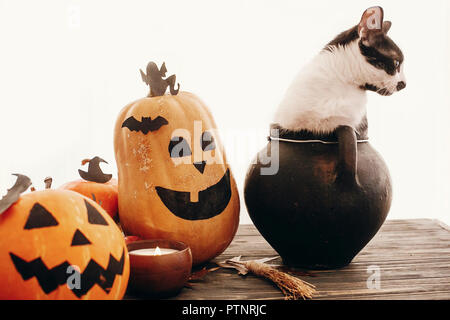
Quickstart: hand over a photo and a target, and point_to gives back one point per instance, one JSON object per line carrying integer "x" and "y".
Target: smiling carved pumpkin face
{"x": 60, "y": 245}
{"x": 174, "y": 182}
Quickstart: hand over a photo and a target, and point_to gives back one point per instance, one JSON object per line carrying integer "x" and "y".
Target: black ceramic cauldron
{"x": 325, "y": 203}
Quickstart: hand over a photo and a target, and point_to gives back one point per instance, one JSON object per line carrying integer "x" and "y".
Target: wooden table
{"x": 413, "y": 257}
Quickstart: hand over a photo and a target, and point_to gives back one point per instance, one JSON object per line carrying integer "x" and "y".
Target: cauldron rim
{"x": 287, "y": 135}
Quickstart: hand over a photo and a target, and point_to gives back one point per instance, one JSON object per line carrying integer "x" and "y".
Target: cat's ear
{"x": 371, "y": 22}
{"x": 387, "y": 26}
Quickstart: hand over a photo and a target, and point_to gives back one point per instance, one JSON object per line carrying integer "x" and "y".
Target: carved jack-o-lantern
{"x": 58, "y": 244}
{"x": 174, "y": 182}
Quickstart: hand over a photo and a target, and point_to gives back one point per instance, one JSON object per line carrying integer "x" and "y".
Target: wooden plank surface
{"x": 413, "y": 257}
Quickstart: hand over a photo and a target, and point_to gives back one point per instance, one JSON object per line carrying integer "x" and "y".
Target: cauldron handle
{"x": 348, "y": 149}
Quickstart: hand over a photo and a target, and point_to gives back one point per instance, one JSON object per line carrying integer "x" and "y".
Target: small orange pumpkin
{"x": 174, "y": 181}
{"x": 58, "y": 244}
{"x": 100, "y": 187}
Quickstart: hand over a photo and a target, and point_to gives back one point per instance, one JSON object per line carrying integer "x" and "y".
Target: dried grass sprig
{"x": 292, "y": 287}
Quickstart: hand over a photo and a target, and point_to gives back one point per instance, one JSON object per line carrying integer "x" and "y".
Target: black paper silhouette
{"x": 95, "y": 173}
{"x": 158, "y": 85}
{"x": 94, "y": 217}
{"x": 40, "y": 218}
{"x": 50, "y": 279}
{"x": 13, "y": 194}
{"x": 79, "y": 239}
{"x": 145, "y": 125}
{"x": 211, "y": 201}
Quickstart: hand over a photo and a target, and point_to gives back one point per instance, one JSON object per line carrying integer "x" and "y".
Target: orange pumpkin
{"x": 174, "y": 181}
{"x": 100, "y": 187}
{"x": 58, "y": 244}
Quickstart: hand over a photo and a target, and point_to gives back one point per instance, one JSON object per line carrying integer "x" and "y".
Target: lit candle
{"x": 153, "y": 251}
{"x": 158, "y": 268}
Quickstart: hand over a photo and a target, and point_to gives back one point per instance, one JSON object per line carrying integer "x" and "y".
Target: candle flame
{"x": 157, "y": 251}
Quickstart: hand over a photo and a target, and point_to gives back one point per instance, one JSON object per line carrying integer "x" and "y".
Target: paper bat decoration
{"x": 158, "y": 85}
{"x": 94, "y": 173}
{"x": 145, "y": 125}
{"x": 13, "y": 194}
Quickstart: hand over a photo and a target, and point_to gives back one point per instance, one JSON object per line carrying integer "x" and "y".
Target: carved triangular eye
{"x": 79, "y": 239}
{"x": 94, "y": 217}
{"x": 40, "y": 218}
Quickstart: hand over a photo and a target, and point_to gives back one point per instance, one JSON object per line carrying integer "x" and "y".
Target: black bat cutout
{"x": 145, "y": 125}
{"x": 13, "y": 194}
{"x": 50, "y": 279}
{"x": 95, "y": 173}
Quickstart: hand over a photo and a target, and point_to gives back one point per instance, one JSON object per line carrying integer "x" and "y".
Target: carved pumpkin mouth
{"x": 211, "y": 201}
{"x": 50, "y": 279}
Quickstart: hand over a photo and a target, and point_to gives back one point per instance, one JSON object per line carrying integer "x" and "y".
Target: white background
{"x": 68, "y": 67}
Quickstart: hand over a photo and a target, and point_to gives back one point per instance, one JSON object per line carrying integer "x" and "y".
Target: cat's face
{"x": 382, "y": 69}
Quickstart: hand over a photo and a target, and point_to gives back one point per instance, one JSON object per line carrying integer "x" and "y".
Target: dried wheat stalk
{"x": 292, "y": 287}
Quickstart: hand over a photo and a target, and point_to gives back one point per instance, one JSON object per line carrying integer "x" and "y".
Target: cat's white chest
{"x": 322, "y": 98}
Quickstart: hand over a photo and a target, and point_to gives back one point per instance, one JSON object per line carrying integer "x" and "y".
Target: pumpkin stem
{"x": 155, "y": 79}
{"x": 94, "y": 173}
{"x": 48, "y": 182}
